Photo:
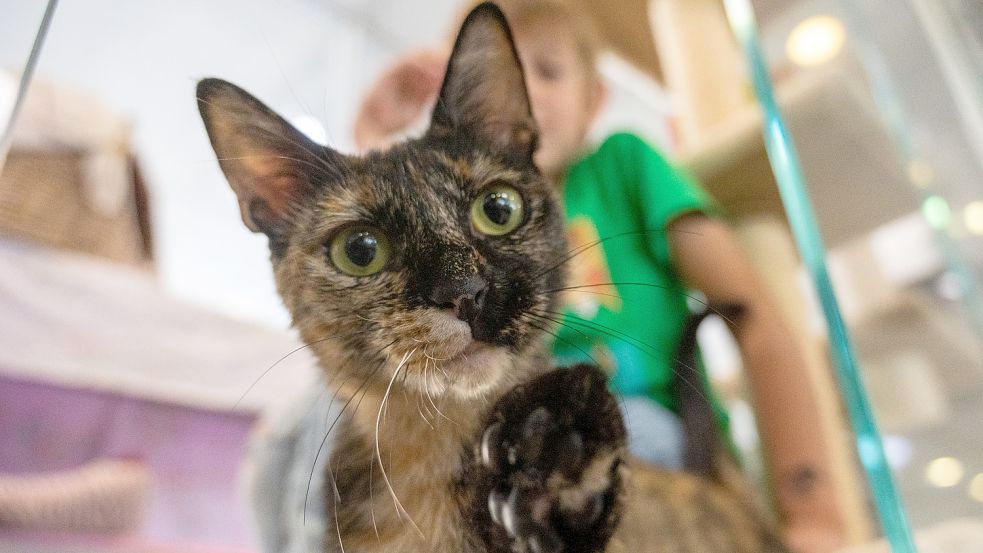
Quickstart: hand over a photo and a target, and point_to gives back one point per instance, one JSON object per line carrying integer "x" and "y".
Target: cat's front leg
{"x": 552, "y": 455}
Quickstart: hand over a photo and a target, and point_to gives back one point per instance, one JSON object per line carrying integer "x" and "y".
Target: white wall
{"x": 312, "y": 57}
{"x": 144, "y": 58}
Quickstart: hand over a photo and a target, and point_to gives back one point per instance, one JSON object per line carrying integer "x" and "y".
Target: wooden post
{"x": 701, "y": 64}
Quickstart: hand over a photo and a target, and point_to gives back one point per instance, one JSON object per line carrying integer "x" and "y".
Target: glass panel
{"x": 889, "y": 150}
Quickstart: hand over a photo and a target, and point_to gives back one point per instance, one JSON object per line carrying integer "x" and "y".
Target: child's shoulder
{"x": 625, "y": 149}
{"x": 625, "y": 146}
{"x": 623, "y": 140}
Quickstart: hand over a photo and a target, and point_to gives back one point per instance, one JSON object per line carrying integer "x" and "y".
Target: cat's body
{"x": 422, "y": 278}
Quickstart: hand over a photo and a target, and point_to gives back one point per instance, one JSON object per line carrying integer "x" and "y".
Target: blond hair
{"x": 527, "y": 16}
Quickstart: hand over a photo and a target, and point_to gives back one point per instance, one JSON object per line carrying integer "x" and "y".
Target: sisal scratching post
{"x": 106, "y": 496}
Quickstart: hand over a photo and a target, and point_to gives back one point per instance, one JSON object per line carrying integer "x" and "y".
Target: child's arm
{"x": 706, "y": 255}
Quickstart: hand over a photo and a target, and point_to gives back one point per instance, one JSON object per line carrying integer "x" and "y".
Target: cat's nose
{"x": 464, "y": 297}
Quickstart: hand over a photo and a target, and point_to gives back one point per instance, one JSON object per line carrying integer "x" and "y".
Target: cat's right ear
{"x": 271, "y": 166}
{"x": 484, "y": 91}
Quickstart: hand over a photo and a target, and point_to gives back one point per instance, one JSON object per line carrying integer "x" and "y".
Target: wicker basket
{"x": 71, "y": 181}
{"x": 44, "y": 198}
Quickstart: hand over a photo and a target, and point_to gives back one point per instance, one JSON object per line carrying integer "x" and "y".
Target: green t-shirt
{"x": 625, "y": 195}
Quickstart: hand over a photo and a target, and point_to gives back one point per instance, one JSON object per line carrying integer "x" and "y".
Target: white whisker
{"x": 418, "y": 399}
{"x": 338, "y": 529}
{"x": 426, "y": 388}
{"x": 378, "y": 419}
{"x": 372, "y": 504}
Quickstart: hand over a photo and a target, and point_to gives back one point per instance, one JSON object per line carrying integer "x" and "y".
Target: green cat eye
{"x": 497, "y": 210}
{"x": 360, "y": 251}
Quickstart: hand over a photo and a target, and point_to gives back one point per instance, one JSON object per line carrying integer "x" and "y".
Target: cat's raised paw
{"x": 554, "y": 448}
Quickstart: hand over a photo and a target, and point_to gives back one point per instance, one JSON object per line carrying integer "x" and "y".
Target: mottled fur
{"x": 458, "y": 436}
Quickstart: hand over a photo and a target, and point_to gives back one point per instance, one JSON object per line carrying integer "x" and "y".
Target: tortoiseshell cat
{"x": 421, "y": 276}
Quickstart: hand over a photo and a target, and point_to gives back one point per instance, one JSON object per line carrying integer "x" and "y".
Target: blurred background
{"x": 137, "y": 313}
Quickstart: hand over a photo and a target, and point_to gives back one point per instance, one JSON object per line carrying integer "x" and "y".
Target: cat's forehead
{"x": 419, "y": 163}
{"x": 411, "y": 179}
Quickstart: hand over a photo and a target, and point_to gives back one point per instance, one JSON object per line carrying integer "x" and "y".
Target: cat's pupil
{"x": 360, "y": 247}
{"x": 498, "y": 207}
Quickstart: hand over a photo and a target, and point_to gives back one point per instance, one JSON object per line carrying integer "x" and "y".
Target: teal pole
{"x": 7, "y": 137}
{"x": 791, "y": 185}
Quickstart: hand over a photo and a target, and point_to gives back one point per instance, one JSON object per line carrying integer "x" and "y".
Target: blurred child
{"x": 645, "y": 234}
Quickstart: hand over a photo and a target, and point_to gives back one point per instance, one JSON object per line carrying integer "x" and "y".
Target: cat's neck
{"x": 420, "y": 428}
{"x": 388, "y": 414}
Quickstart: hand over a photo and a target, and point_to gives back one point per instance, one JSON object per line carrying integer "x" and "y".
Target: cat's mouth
{"x": 459, "y": 341}
{"x": 457, "y": 362}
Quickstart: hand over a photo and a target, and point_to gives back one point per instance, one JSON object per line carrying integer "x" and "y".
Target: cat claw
{"x": 496, "y": 504}
{"x": 490, "y": 442}
{"x": 545, "y": 543}
{"x": 524, "y": 515}
{"x": 554, "y": 449}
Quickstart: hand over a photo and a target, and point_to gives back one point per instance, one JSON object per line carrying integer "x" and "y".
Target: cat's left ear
{"x": 271, "y": 166}
{"x": 484, "y": 90}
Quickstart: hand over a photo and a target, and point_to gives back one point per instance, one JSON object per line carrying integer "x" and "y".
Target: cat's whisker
{"x": 375, "y": 526}
{"x": 420, "y": 409}
{"x": 649, "y": 349}
{"x": 696, "y": 387}
{"x": 363, "y": 389}
{"x": 426, "y": 391}
{"x": 446, "y": 376}
{"x": 567, "y": 320}
{"x": 444, "y": 397}
{"x": 431, "y": 357}
{"x": 402, "y": 382}
{"x": 399, "y": 506}
{"x": 420, "y": 404}
{"x": 553, "y": 334}
{"x": 426, "y": 388}
{"x": 337, "y": 526}
{"x": 559, "y": 318}
{"x": 271, "y": 367}
{"x": 585, "y": 247}
{"x": 441, "y": 413}
{"x": 596, "y": 293}
{"x": 336, "y": 495}
{"x": 697, "y": 299}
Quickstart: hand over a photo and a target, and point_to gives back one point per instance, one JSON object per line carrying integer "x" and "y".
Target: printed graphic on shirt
{"x": 589, "y": 277}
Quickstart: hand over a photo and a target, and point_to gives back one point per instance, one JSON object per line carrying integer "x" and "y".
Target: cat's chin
{"x": 477, "y": 370}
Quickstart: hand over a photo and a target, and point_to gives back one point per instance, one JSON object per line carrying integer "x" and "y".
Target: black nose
{"x": 464, "y": 297}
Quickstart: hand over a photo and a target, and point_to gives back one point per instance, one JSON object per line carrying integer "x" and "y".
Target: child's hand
{"x": 399, "y": 97}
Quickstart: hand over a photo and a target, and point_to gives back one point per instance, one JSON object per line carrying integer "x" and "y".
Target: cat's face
{"x": 438, "y": 257}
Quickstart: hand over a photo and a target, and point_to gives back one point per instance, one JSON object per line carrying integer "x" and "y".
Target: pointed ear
{"x": 484, "y": 90}
{"x": 271, "y": 166}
